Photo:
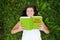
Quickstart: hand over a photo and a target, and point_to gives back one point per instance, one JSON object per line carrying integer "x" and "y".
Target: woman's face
{"x": 30, "y": 12}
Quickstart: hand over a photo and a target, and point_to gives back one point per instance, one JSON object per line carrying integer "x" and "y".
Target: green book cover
{"x": 31, "y": 22}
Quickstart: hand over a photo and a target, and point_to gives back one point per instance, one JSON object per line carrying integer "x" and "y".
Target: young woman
{"x": 33, "y": 34}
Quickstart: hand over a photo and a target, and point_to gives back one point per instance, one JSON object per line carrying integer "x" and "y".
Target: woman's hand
{"x": 44, "y": 28}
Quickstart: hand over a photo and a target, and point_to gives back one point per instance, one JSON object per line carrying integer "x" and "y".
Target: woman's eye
{"x": 27, "y": 11}
{"x": 31, "y": 10}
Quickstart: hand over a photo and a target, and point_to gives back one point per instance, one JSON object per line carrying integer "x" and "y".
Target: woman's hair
{"x": 30, "y": 6}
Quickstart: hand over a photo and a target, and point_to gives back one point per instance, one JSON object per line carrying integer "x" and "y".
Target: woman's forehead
{"x": 30, "y": 9}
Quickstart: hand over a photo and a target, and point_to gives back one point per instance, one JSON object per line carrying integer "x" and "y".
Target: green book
{"x": 31, "y": 22}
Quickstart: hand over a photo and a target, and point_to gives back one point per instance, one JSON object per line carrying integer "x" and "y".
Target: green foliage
{"x": 11, "y": 10}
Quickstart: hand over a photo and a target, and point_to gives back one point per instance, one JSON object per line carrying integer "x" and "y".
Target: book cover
{"x": 31, "y": 22}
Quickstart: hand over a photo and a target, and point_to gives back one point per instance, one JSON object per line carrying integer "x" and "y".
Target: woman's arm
{"x": 44, "y": 28}
{"x": 16, "y": 28}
